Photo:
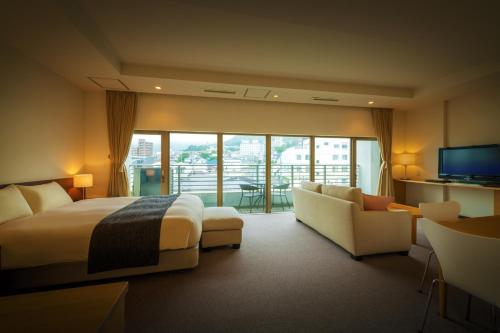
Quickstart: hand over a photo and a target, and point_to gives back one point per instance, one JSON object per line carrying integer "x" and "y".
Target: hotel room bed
{"x": 52, "y": 247}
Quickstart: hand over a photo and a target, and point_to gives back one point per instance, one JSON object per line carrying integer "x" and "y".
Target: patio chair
{"x": 253, "y": 193}
{"x": 281, "y": 191}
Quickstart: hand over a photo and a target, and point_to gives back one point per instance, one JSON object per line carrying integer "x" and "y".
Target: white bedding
{"x": 63, "y": 234}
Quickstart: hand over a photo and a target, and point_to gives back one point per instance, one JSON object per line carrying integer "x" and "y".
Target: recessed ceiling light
{"x": 371, "y": 102}
{"x": 158, "y": 88}
{"x": 275, "y": 96}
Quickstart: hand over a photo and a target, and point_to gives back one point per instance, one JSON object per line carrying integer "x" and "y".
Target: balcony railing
{"x": 202, "y": 180}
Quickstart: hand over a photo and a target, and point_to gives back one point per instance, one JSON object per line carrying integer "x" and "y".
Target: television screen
{"x": 475, "y": 162}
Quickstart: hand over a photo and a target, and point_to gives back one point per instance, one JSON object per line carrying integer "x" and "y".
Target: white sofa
{"x": 337, "y": 213}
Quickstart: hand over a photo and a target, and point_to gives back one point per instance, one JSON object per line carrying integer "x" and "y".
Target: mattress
{"x": 62, "y": 235}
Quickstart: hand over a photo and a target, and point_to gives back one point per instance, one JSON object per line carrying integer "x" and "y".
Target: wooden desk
{"x": 415, "y": 214}
{"x": 488, "y": 226}
{"x": 400, "y": 190}
{"x": 86, "y": 309}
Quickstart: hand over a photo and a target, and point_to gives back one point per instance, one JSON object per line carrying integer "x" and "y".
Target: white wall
{"x": 197, "y": 114}
{"x": 182, "y": 113}
{"x": 473, "y": 118}
{"x": 41, "y": 122}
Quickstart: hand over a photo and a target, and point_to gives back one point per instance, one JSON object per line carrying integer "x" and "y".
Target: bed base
{"x": 58, "y": 274}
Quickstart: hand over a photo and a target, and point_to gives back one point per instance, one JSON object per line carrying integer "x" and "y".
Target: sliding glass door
{"x": 253, "y": 173}
{"x": 333, "y": 161}
{"x": 193, "y": 165}
{"x": 144, "y": 164}
{"x": 290, "y": 165}
{"x": 244, "y": 172}
{"x": 367, "y": 165}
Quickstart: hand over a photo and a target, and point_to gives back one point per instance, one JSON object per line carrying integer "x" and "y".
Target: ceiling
{"x": 395, "y": 53}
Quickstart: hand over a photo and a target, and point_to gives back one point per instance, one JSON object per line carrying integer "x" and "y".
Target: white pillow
{"x": 12, "y": 204}
{"x": 45, "y": 196}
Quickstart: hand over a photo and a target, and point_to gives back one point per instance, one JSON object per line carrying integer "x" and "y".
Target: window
{"x": 367, "y": 165}
{"x": 244, "y": 172}
{"x": 288, "y": 169}
{"x": 193, "y": 165}
{"x": 339, "y": 171}
{"x": 144, "y": 166}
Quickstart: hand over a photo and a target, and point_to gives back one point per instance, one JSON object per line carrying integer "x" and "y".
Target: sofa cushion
{"x": 376, "y": 202}
{"x": 352, "y": 194}
{"x": 311, "y": 186}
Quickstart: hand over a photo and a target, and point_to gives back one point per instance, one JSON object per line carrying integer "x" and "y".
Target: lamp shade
{"x": 407, "y": 159}
{"x": 83, "y": 180}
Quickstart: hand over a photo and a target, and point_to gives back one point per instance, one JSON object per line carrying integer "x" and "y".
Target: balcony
{"x": 201, "y": 180}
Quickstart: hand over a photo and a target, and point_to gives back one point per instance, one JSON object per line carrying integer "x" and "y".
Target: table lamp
{"x": 406, "y": 159}
{"x": 83, "y": 181}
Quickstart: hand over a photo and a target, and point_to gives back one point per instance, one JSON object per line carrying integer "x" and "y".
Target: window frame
{"x": 165, "y": 159}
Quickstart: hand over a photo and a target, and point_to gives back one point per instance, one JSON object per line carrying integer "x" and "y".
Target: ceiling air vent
{"x": 256, "y": 93}
{"x": 217, "y": 91}
{"x": 325, "y": 99}
{"x": 108, "y": 83}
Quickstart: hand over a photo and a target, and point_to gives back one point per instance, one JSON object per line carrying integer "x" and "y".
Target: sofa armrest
{"x": 382, "y": 231}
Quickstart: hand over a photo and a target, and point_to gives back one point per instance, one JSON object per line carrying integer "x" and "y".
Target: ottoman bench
{"x": 221, "y": 226}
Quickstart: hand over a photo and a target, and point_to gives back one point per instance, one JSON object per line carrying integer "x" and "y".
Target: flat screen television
{"x": 472, "y": 163}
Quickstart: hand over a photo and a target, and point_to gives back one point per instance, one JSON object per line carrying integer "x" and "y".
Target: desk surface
{"x": 488, "y": 226}
{"x": 458, "y": 185}
{"x": 415, "y": 211}
{"x": 81, "y": 309}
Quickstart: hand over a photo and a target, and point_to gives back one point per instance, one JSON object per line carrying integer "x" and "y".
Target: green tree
{"x": 182, "y": 157}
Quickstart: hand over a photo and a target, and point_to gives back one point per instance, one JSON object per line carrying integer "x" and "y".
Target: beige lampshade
{"x": 407, "y": 159}
{"x": 83, "y": 180}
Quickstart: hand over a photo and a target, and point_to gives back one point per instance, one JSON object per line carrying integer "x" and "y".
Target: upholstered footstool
{"x": 221, "y": 226}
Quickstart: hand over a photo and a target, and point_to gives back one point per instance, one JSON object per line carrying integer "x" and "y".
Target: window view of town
{"x": 193, "y": 167}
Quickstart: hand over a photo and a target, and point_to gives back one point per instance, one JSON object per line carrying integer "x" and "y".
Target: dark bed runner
{"x": 129, "y": 237}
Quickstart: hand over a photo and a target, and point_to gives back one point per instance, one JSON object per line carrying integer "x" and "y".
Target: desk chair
{"x": 440, "y": 211}
{"x": 468, "y": 262}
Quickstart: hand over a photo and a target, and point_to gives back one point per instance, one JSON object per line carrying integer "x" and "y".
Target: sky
{"x": 181, "y": 138}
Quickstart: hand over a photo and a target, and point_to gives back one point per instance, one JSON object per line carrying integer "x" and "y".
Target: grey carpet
{"x": 287, "y": 277}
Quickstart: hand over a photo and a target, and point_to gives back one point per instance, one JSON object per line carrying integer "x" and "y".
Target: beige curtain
{"x": 121, "y": 108}
{"x": 382, "y": 122}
